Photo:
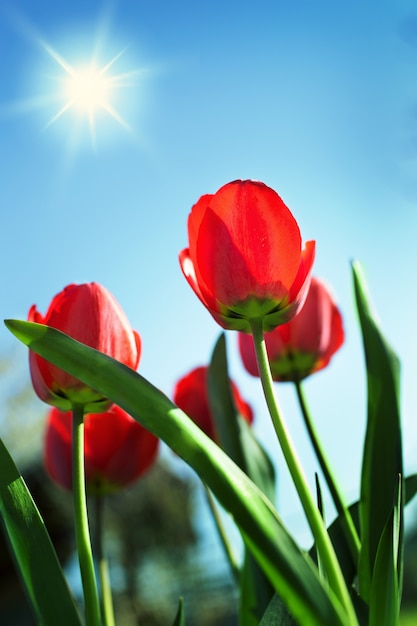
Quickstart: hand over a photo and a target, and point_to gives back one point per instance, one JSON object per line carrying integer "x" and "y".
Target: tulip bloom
{"x": 305, "y": 344}
{"x": 245, "y": 260}
{"x": 117, "y": 449}
{"x": 90, "y": 314}
{"x": 190, "y": 395}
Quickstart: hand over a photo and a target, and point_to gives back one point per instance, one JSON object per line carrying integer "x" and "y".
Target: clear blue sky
{"x": 318, "y": 100}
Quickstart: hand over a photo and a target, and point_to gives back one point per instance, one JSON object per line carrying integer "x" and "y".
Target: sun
{"x": 84, "y": 90}
{"x": 89, "y": 89}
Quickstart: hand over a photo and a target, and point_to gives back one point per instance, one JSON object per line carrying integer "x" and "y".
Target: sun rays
{"x": 82, "y": 85}
{"x": 89, "y": 88}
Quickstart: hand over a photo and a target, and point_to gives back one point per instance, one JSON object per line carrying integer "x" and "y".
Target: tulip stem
{"x": 324, "y": 546}
{"x": 106, "y": 595}
{"x": 222, "y": 534}
{"x": 82, "y": 534}
{"x": 348, "y": 526}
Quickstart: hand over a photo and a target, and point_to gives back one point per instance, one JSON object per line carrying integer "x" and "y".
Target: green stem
{"x": 82, "y": 534}
{"x": 106, "y": 595}
{"x": 316, "y": 523}
{"x": 348, "y": 526}
{"x": 223, "y": 536}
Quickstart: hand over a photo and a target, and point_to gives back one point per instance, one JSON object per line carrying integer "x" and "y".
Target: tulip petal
{"x": 188, "y": 269}
{"x": 256, "y": 241}
{"x": 301, "y": 284}
{"x": 117, "y": 449}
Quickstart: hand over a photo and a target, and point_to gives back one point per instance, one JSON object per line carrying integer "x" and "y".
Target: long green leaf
{"x": 222, "y": 405}
{"x": 382, "y": 457}
{"x": 290, "y": 571}
{"x": 238, "y": 440}
{"x": 385, "y": 597}
{"x": 35, "y": 556}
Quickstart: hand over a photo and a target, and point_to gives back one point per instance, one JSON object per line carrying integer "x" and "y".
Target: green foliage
{"x": 35, "y": 556}
{"x": 238, "y": 440}
{"x": 385, "y": 600}
{"x": 287, "y": 567}
{"x": 382, "y": 456}
{"x": 280, "y": 584}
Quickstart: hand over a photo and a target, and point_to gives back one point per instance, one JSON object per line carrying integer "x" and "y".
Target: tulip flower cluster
{"x": 247, "y": 264}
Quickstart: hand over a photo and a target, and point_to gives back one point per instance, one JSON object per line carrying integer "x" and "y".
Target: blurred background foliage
{"x": 159, "y": 537}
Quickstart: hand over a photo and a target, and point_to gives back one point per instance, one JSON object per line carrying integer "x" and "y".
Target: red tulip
{"x": 305, "y": 344}
{"x": 117, "y": 449}
{"x": 90, "y": 314}
{"x": 244, "y": 259}
{"x": 190, "y": 395}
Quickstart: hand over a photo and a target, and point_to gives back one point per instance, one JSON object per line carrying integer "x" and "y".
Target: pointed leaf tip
{"x": 26, "y": 332}
{"x": 180, "y": 617}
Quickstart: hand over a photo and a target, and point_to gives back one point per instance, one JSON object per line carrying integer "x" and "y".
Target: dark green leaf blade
{"x": 382, "y": 457}
{"x": 385, "y": 590}
{"x": 410, "y": 487}
{"x": 222, "y": 405}
{"x": 238, "y": 440}
{"x": 276, "y": 614}
{"x": 237, "y": 437}
{"x": 34, "y": 553}
{"x": 180, "y": 617}
{"x": 289, "y": 570}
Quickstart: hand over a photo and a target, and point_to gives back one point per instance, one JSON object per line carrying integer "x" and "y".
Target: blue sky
{"x": 318, "y": 100}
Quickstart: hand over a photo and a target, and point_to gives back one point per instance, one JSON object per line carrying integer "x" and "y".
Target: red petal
{"x": 58, "y": 447}
{"x": 299, "y": 289}
{"x": 248, "y": 244}
{"x": 189, "y": 272}
{"x": 190, "y": 394}
{"x": 247, "y": 352}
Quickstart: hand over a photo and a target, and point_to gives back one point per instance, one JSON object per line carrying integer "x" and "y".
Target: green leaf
{"x": 34, "y": 553}
{"x": 222, "y": 404}
{"x": 338, "y": 539}
{"x": 361, "y": 608}
{"x": 238, "y": 440}
{"x": 180, "y": 617}
{"x": 320, "y": 507}
{"x": 382, "y": 457}
{"x": 276, "y": 614}
{"x": 410, "y": 487}
{"x": 255, "y": 592}
{"x": 237, "y": 437}
{"x": 291, "y": 572}
{"x": 320, "y": 504}
{"x": 385, "y": 592}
